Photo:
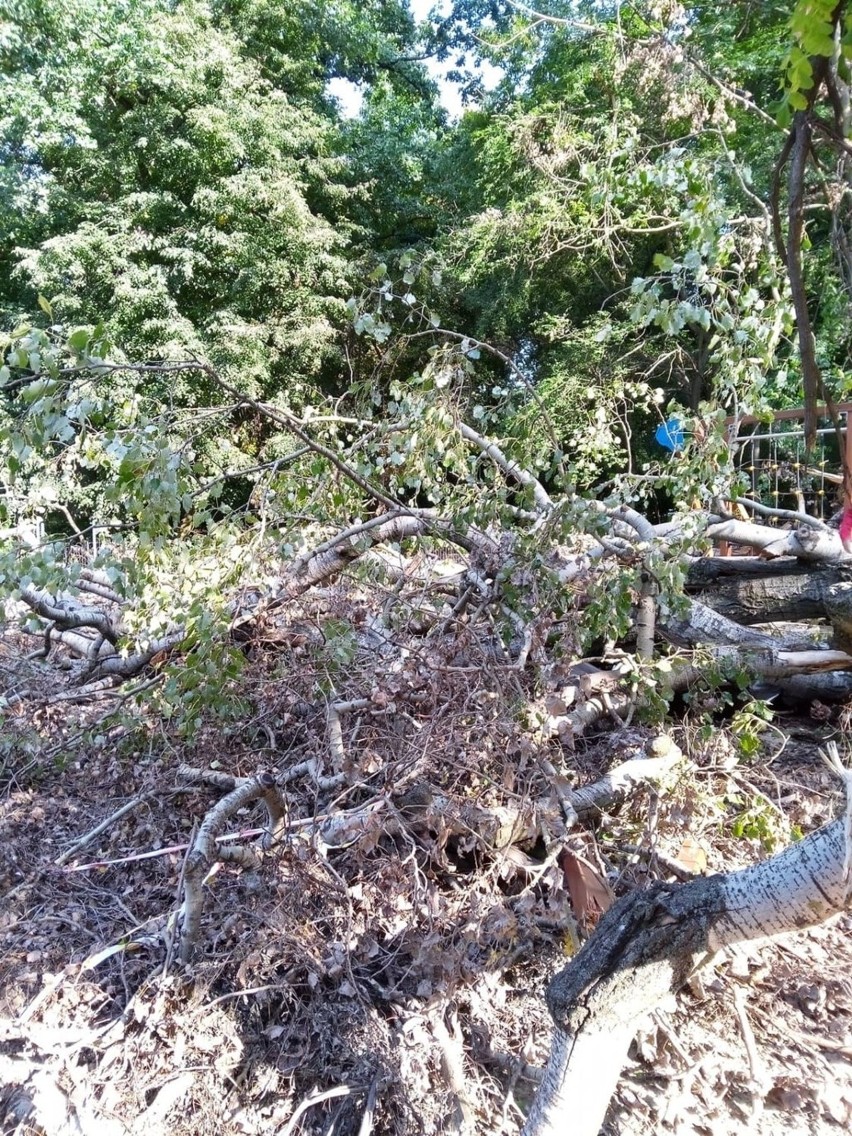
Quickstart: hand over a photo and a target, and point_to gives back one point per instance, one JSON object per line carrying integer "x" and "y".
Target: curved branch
{"x": 636, "y": 521}
{"x": 67, "y": 614}
{"x": 783, "y": 514}
{"x": 508, "y": 466}
{"x": 338, "y": 553}
{"x": 205, "y": 851}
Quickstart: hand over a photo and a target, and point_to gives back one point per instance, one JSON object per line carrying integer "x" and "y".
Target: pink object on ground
{"x": 846, "y": 528}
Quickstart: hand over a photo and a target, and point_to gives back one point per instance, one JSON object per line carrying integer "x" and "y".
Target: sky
{"x": 350, "y": 97}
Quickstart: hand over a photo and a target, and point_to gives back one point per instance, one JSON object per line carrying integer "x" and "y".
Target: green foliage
{"x": 761, "y": 822}
{"x": 812, "y": 25}
{"x": 749, "y": 724}
{"x": 586, "y": 394}
{"x": 162, "y": 183}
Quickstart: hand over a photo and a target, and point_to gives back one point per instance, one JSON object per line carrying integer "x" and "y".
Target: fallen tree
{"x": 526, "y": 560}
{"x": 809, "y": 582}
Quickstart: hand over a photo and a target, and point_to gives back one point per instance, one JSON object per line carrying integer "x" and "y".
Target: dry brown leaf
{"x": 590, "y": 894}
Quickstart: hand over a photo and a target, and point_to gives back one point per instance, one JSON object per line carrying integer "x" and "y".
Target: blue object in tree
{"x": 670, "y": 434}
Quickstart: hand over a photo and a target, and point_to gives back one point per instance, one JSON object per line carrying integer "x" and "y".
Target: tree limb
{"x": 647, "y": 945}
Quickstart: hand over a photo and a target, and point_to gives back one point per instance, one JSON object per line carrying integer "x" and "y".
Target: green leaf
{"x": 45, "y": 307}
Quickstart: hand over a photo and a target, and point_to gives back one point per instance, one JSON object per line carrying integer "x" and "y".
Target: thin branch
{"x": 732, "y": 93}
{"x": 783, "y": 514}
{"x": 560, "y": 21}
{"x": 310, "y": 1101}
{"x": 102, "y": 827}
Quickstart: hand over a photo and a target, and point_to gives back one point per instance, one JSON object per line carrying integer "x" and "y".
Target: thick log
{"x": 702, "y": 624}
{"x": 752, "y": 590}
{"x": 838, "y": 608}
{"x": 824, "y": 686}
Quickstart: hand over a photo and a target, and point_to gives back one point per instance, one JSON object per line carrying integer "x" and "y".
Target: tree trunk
{"x": 838, "y": 608}
{"x": 647, "y": 945}
{"x": 753, "y": 590}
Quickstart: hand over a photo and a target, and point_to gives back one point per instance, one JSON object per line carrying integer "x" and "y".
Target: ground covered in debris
{"x": 383, "y": 969}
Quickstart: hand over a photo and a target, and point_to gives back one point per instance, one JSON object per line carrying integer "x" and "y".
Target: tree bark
{"x": 753, "y": 590}
{"x": 804, "y": 542}
{"x": 838, "y": 608}
{"x": 647, "y": 945}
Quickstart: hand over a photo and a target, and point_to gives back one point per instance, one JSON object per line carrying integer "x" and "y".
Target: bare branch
{"x": 508, "y": 466}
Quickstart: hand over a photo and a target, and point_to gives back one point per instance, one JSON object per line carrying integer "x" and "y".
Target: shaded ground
{"x": 400, "y": 973}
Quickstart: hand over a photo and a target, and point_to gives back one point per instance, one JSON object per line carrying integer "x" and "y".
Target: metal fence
{"x": 774, "y": 468}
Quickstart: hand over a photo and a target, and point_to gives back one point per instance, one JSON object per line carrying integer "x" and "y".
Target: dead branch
{"x": 227, "y": 783}
{"x": 334, "y": 734}
{"x": 665, "y": 759}
{"x": 333, "y": 557}
{"x": 129, "y": 807}
{"x": 99, "y": 584}
{"x": 636, "y": 521}
{"x": 366, "y": 1125}
{"x": 212, "y": 777}
{"x": 646, "y": 617}
{"x": 205, "y": 852}
{"x": 702, "y": 624}
{"x": 750, "y": 589}
{"x": 128, "y": 666}
{"x": 463, "y": 1123}
{"x": 314, "y": 1098}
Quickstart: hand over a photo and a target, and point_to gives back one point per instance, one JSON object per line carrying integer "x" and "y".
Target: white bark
{"x": 205, "y": 850}
{"x": 647, "y": 944}
{"x": 581, "y": 1073}
{"x": 803, "y": 885}
{"x": 805, "y": 542}
{"x": 509, "y": 467}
